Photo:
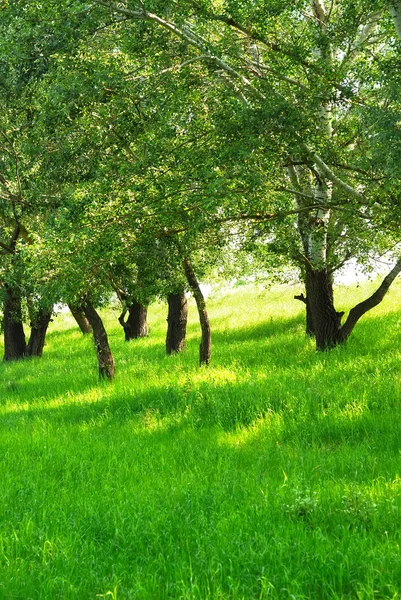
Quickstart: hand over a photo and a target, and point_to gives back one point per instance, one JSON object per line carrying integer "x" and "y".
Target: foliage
{"x": 167, "y": 130}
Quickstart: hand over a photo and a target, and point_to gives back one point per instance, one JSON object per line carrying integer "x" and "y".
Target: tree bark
{"x": 39, "y": 327}
{"x": 177, "y": 323}
{"x": 136, "y": 325}
{"x": 395, "y": 10}
{"x": 79, "y": 315}
{"x": 205, "y": 348}
{"x": 14, "y": 336}
{"x": 325, "y": 320}
{"x": 309, "y": 329}
{"x": 104, "y": 356}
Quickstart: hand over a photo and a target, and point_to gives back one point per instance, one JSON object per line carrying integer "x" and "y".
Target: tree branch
{"x": 327, "y": 172}
{"x": 363, "y": 307}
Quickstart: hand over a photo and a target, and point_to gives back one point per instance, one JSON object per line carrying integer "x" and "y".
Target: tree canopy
{"x": 141, "y": 136}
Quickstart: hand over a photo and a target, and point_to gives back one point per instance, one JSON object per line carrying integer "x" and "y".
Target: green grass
{"x": 274, "y": 473}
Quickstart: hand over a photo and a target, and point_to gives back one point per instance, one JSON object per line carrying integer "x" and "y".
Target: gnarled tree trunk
{"x": 79, "y": 315}
{"x": 39, "y": 325}
{"x": 176, "y": 323}
{"x": 325, "y": 320}
{"x": 135, "y": 326}
{"x": 14, "y": 336}
{"x": 205, "y": 348}
{"x": 104, "y": 356}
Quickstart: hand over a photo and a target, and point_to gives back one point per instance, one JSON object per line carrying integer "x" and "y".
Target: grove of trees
{"x": 148, "y": 144}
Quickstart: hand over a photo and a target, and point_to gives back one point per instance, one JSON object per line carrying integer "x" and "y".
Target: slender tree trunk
{"x": 309, "y": 329}
{"x": 363, "y": 307}
{"x": 136, "y": 325}
{"x": 14, "y": 336}
{"x": 79, "y": 315}
{"x": 104, "y": 355}
{"x": 205, "y": 349}
{"x": 395, "y": 10}
{"x": 177, "y": 323}
{"x": 39, "y": 327}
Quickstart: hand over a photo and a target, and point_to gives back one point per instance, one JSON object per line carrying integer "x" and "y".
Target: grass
{"x": 274, "y": 473}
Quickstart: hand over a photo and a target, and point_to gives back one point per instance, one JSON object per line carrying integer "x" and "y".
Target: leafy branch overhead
{"x": 151, "y": 135}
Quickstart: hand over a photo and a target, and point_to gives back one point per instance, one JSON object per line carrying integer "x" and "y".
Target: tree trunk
{"x": 395, "y": 9}
{"x": 79, "y": 315}
{"x": 136, "y": 325}
{"x": 205, "y": 349}
{"x": 14, "y": 336}
{"x": 104, "y": 356}
{"x": 309, "y": 329}
{"x": 177, "y": 323}
{"x": 39, "y": 327}
{"x": 326, "y": 321}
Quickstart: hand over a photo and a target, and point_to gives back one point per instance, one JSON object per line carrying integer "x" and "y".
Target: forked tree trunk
{"x": 136, "y": 326}
{"x": 39, "y": 327}
{"x": 326, "y": 320}
{"x": 205, "y": 349}
{"x": 79, "y": 315}
{"x": 104, "y": 356}
{"x": 14, "y": 336}
{"x": 176, "y": 323}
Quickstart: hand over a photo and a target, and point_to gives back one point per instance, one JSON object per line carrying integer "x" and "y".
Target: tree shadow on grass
{"x": 279, "y": 374}
{"x": 54, "y": 374}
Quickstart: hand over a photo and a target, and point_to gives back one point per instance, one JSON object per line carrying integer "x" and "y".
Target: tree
{"x": 177, "y": 318}
{"x": 307, "y": 76}
{"x": 261, "y": 114}
{"x": 104, "y": 355}
{"x": 78, "y": 313}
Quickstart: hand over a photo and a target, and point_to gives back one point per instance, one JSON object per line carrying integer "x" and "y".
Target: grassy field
{"x": 274, "y": 473}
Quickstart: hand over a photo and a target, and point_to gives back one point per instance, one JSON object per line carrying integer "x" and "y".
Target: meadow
{"x": 273, "y": 473}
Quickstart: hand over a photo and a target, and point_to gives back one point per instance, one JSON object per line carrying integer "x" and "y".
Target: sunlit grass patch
{"x": 274, "y": 473}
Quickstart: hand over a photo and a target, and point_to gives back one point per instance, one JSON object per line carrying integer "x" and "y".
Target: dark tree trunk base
{"x": 38, "y": 334}
{"x": 136, "y": 325}
{"x": 325, "y": 320}
{"x": 104, "y": 355}
{"x": 309, "y": 329}
{"x": 177, "y": 323}
{"x": 205, "y": 348}
{"x": 14, "y": 336}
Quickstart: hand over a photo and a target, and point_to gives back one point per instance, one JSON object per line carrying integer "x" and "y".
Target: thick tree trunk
{"x": 79, "y": 315}
{"x": 326, "y": 321}
{"x": 136, "y": 326}
{"x": 104, "y": 355}
{"x": 177, "y": 323}
{"x": 39, "y": 327}
{"x": 14, "y": 336}
{"x": 205, "y": 349}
